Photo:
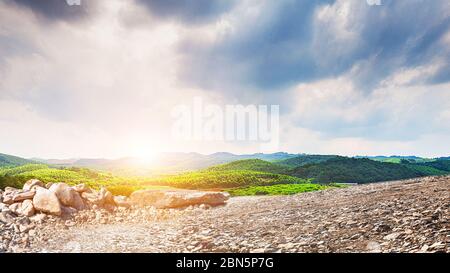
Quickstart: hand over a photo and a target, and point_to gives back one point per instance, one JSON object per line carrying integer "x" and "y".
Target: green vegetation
{"x": 443, "y": 165}
{"x": 399, "y": 159}
{"x": 224, "y": 179}
{"x": 354, "y": 170}
{"x": 9, "y": 160}
{"x": 305, "y": 160}
{"x": 17, "y": 176}
{"x": 251, "y": 165}
{"x": 283, "y": 189}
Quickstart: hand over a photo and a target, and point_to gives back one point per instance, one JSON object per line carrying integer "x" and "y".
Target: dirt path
{"x": 406, "y": 216}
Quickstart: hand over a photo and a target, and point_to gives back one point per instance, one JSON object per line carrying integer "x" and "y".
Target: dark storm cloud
{"x": 187, "y": 11}
{"x": 57, "y": 9}
{"x": 289, "y": 47}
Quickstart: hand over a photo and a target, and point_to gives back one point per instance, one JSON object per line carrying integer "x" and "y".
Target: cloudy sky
{"x": 101, "y": 79}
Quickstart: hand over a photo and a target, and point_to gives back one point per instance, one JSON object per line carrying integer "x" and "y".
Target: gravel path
{"x": 405, "y": 216}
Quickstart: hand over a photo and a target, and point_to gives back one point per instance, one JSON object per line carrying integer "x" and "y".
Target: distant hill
{"x": 11, "y": 161}
{"x": 165, "y": 163}
{"x": 355, "y": 170}
{"x": 304, "y": 160}
{"x": 251, "y": 165}
{"x": 397, "y": 158}
{"x": 442, "y": 165}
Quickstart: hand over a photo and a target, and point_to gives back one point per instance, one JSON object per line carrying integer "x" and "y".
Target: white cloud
{"x": 106, "y": 86}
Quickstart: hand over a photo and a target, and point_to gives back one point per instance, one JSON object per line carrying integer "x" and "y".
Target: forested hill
{"x": 9, "y": 160}
{"x": 304, "y": 160}
{"x": 363, "y": 170}
{"x": 251, "y": 165}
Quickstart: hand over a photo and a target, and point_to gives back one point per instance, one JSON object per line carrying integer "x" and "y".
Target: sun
{"x": 144, "y": 153}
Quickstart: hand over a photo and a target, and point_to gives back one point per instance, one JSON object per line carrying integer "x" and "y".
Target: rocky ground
{"x": 403, "y": 216}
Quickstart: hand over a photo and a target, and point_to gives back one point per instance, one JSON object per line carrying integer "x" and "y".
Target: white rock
{"x": 80, "y": 188}
{"x": 18, "y": 197}
{"x": 26, "y": 208}
{"x": 175, "y": 199}
{"x": 38, "y": 217}
{"x": 30, "y": 184}
{"x": 391, "y": 236}
{"x": 68, "y": 196}
{"x": 46, "y": 201}
{"x": 121, "y": 201}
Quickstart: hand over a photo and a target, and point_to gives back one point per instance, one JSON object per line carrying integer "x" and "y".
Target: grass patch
{"x": 282, "y": 189}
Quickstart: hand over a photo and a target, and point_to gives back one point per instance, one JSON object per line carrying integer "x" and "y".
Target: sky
{"x": 101, "y": 79}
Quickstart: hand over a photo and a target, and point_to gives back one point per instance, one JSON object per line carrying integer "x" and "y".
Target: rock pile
{"x": 21, "y": 210}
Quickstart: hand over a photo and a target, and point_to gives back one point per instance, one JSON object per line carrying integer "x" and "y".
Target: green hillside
{"x": 251, "y": 165}
{"x": 304, "y": 160}
{"x": 442, "y": 165}
{"x": 398, "y": 159}
{"x": 9, "y": 160}
{"x": 17, "y": 176}
{"x": 225, "y": 179}
{"x": 354, "y": 170}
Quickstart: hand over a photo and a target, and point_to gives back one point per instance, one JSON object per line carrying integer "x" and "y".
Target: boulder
{"x": 48, "y": 185}
{"x": 91, "y": 197}
{"x": 25, "y": 208}
{"x": 80, "y": 188}
{"x": 8, "y": 198}
{"x": 9, "y": 190}
{"x": 100, "y": 198}
{"x": 38, "y": 217}
{"x": 176, "y": 199}
{"x": 31, "y": 184}
{"x": 3, "y": 207}
{"x": 15, "y": 207}
{"x": 122, "y": 201}
{"x": 67, "y": 196}
{"x": 107, "y": 196}
{"x": 6, "y": 217}
{"x": 19, "y": 197}
{"x": 46, "y": 201}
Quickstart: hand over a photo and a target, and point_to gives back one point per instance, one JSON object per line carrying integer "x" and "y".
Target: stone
{"x": 373, "y": 247}
{"x": 3, "y": 207}
{"x": 176, "y": 199}
{"x": 30, "y": 184}
{"x": 93, "y": 198}
{"x": 39, "y": 218}
{"x": 26, "y": 208}
{"x": 8, "y": 199}
{"x": 80, "y": 188}
{"x": 25, "y": 228}
{"x": 6, "y": 217}
{"x": 438, "y": 245}
{"x": 15, "y": 207}
{"x": 391, "y": 236}
{"x": 67, "y": 211}
{"x": 10, "y": 190}
{"x": 100, "y": 198}
{"x": 68, "y": 196}
{"x": 107, "y": 196}
{"x": 122, "y": 201}
{"x": 47, "y": 201}
{"x": 48, "y": 185}
{"x": 18, "y": 197}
